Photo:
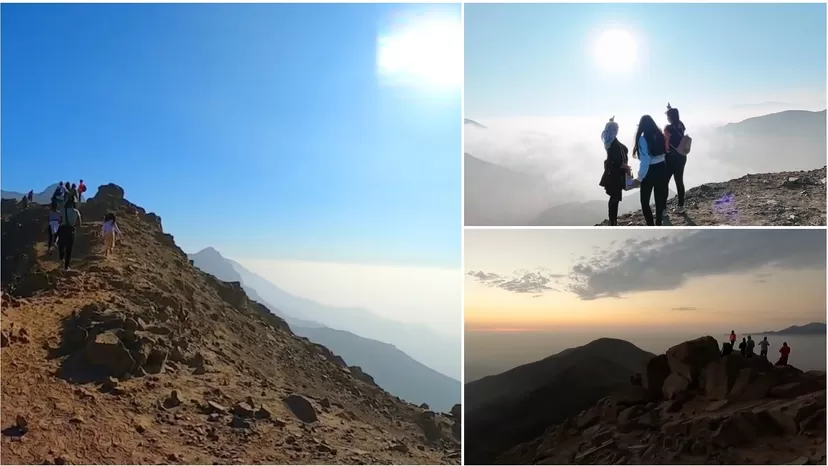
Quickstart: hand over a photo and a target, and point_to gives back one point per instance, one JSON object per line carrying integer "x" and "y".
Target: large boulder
{"x": 657, "y": 371}
{"x": 107, "y": 353}
{"x": 674, "y": 385}
{"x": 688, "y": 359}
{"x": 719, "y": 378}
{"x": 301, "y": 408}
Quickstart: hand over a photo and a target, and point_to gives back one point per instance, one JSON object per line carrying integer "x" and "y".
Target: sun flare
{"x": 423, "y": 52}
{"x": 615, "y": 51}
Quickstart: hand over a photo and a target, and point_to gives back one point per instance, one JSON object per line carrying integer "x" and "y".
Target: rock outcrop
{"x": 709, "y": 409}
{"x": 142, "y": 358}
{"x": 762, "y": 199}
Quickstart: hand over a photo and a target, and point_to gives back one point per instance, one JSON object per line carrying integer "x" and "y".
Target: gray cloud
{"x": 666, "y": 263}
{"x": 685, "y": 308}
{"x": 521, "y": 281}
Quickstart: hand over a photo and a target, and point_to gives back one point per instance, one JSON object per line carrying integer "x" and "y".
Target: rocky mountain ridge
{"x": 762, "y": 199}
{"x": 142, "y": 358}
{"x": 694, "y": 405}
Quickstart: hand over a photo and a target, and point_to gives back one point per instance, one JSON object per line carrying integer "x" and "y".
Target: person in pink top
{"x": 108, "y": 231}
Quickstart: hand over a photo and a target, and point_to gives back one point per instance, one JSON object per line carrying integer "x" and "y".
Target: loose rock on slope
{"x": 141, "y": 358}
{"x": 762, "y": 199}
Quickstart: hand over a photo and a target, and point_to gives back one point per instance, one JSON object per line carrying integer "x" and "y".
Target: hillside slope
{"x": 142, "y": 358}
{"x": 693, "y": 405}
{"x": 392, "y": 369}
{"x": 505, "y": 409}
{"x": 764, "y": 199}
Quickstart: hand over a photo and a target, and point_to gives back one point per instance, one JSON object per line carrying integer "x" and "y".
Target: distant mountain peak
{"x": 470, "y": 122}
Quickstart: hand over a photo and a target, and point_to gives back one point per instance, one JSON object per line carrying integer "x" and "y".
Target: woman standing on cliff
{"x": 673, "y": 134}
{"x": 652, "y": 171}
{"x": 616, "y": 170}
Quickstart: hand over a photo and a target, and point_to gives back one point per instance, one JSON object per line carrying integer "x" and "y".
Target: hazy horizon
{"x": 490, "y": 353}
{"x": 601, "y": 283}
{"x": 391, "y": 292}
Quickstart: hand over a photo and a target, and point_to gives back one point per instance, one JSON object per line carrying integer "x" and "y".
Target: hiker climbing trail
{"x": 142, "y": 358}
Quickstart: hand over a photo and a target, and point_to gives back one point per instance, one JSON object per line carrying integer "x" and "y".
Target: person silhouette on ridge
{"x": 81, "y": 191}
{"x": 743, "y": 346}
{"x": 784, "y": 351}
{"x": 733, "y": 338}
{"x": 764, "y": 344}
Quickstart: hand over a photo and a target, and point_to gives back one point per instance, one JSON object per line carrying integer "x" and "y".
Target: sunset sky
{"x": 635, "y": 280}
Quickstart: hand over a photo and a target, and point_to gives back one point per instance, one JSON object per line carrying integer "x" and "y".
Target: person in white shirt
{"x": 763, "y": 345}
{"x": 652, "y": 176}
{"x": 108, "y": 231}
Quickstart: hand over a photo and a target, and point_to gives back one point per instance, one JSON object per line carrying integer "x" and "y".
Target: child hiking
{"x": 108, "y": 231}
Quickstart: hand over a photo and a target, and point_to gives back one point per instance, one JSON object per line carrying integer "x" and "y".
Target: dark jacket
{"x": 615, "y": 177}
{"x": 673, "y": 135}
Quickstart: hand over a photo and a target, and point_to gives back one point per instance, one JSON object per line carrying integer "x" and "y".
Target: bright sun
{"x": 615, "y": 51}
{"x": 423, "y": 52}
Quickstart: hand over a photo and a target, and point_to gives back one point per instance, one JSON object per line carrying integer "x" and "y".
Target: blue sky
{"x": 536, "y": 60}
{"x": 261, "y": 130}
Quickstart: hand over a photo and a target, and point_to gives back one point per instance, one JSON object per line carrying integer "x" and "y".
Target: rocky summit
{"x": 140, "y": 358}
{"x": 762, "y": 199}
{"x": 694, "y": 406}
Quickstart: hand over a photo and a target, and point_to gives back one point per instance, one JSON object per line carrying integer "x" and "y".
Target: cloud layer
{"x": 668, "y": 262}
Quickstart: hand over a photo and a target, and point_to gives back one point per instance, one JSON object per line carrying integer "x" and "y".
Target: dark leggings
{"x": 66, "y": 240}
{"x": 52, "y": 236}
{"x": 675, "y": 165}
{"x": 613, "y": 212}
{"x": 656, "y": 180}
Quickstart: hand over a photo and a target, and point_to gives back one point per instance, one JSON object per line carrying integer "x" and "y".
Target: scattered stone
{"x": 263, "y": 413}
{"x": 173, "y": 400}
{"x": 243, "y": 409}
{"x": 4, "y": 340}
{"x": 213, "y": 407}
{"x": 325, "y": 403}
{"x": 301, "y": 408}
{"x": 424, "y": 406}
{"x": 322, "y": 448}
{"x": 399, "y": 447}
{"x": 239, "y": 423}
{"x": 107, "y": 352}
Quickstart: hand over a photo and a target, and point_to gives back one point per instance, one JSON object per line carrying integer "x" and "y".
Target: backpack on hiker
{"x": 71, "y": 198}
{"x": 684, "y": 145}
{"x": 57, "y": 195}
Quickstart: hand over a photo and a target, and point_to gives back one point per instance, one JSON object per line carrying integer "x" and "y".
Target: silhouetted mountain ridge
{"x": 517, "y": 405}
